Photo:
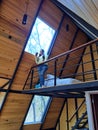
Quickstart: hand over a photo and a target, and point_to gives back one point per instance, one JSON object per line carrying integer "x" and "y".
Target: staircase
{"x": 81, "y": 123}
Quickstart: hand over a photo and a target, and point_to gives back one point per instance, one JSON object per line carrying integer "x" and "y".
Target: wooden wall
{"x": 33, "y": 127}
{"x": 62, "y": 125}
{"x": 12, "y": 39}
{"x": 85, "y": 9}
{"x": 67, "y": 40}
{"x": 90, "y": 64}
{"x": 13, "y": 36}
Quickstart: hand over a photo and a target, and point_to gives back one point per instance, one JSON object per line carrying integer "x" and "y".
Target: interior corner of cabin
{"x": 48, "y": 65}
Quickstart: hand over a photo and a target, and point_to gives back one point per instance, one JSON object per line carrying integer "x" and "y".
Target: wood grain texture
{"x": 12, "y": 40}
{"x": 87, "y": 10}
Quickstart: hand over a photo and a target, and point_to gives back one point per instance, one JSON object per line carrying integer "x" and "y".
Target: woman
{"x": 40, "y": 58}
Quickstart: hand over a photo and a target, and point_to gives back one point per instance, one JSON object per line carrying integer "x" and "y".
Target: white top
{"x": 39, "y": 59}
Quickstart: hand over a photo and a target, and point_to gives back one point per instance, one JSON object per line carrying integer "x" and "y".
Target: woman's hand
{"x": 36, "y": 53}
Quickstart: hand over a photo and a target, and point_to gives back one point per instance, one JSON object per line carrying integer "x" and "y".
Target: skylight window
{"x": 40, "y": 38}
{"x": 37, "y": 109}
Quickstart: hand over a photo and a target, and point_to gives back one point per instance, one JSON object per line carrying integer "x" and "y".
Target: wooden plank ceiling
{"x": 86, "y": 9}
{"x": 13, "y": 36}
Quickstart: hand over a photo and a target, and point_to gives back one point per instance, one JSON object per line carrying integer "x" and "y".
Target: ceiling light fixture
{"x": 25, "y": 16}
{"x": 67, "y": 27}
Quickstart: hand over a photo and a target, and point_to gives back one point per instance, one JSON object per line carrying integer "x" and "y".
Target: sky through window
{"x": 40, "y": 38}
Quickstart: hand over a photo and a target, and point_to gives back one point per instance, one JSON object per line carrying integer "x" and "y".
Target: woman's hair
{"x": 43, "y": 54}
{"x": 42, "y": 50}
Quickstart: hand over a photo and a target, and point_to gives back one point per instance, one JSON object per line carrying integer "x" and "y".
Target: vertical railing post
{"x": 27, "y": 79}
{"x": 59, "y": 125}
{"x": 76, "y": 107}
{"x": 93, "y": 62}
{"x": 83, "y": 70}
{"x": 55, "y": 71}
{"x": 67, "y": 115}
{"x": 31, "y": 82}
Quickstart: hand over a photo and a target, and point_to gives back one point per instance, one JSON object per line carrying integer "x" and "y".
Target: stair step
{"x": 82, "y": 122}
{"x": 82, "y": 129}
{"x": 85, "y": 118}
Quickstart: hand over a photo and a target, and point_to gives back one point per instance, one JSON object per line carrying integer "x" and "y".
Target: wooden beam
{"x": 87, "y": 28}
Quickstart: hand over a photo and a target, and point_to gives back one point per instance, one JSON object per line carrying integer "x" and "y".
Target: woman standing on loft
{"x": 40, "y": 58}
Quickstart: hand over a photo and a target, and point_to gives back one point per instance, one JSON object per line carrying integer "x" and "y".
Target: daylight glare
{"x": 41, "y": 37}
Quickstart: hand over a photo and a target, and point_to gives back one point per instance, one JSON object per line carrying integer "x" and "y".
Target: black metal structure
{"x": 3, "y": 86}
{"x": 58, "y": 91}
{"x": 56, "y": 34}
{"x": 19, "y": 61}
{"x": 58, "y": 120}
{"x": 72, "y": 90}
{"x": 45, "y": 113}
{"x": 71, "y": 45}
{"x": 87, "y": 28}
{"x": 93, "y": 62}
{"x": 55, "y": 86}
{"x": 81, "y": 123}
{"x": 38, "y": 10}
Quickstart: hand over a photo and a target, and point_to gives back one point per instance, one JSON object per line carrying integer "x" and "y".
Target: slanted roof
{"x": 85, "y": 9}
{"x": 15, "y": 64}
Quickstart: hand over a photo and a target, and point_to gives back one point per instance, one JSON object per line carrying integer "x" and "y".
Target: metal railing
{"x": 76, "y": 111}
{"x": 55, "y": 65}
{"x": 5, "y": 84}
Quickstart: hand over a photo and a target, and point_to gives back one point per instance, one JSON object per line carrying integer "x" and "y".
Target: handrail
{"x": 55, "y": 59}
{"x": 69, "y": 51}
{"x": 76, "y": 111}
